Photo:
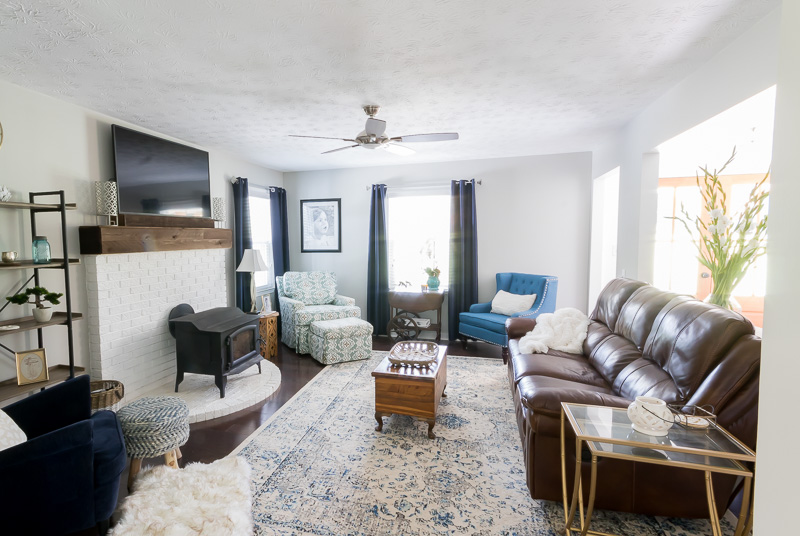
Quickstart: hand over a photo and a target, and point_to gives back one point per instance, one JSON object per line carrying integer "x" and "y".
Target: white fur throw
{"x": 210, "y": 499}
{"x": 564, "y": 330}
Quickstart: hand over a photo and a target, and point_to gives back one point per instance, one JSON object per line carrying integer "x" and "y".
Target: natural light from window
{"x": 261, "y": 229}
{"x": 747, "y": 126}
{"x": 418, "y": 236}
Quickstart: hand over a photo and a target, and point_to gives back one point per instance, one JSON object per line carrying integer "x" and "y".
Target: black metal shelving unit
{"x": 9, "y": 389}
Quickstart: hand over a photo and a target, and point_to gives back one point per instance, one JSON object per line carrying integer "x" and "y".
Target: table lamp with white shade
{"x": 252, "y": 262}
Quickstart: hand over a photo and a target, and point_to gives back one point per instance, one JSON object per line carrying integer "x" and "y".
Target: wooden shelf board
{"x": 27, "y": 264}
{"x": 58, "y": 373}
{"x": 28, "y": 323}
{"x": 36, "y": 206}
{"x": 106, "y": 240}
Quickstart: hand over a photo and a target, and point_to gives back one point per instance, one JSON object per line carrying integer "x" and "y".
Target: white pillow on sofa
{"x": 505, "y": 303}
{"x": 10, "y": 433}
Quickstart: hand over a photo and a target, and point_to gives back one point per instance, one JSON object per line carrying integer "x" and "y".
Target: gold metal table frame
{"x": 596, "y": 442}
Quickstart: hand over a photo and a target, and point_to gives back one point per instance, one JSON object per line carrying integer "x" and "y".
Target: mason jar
{"x": 41, "y": 250}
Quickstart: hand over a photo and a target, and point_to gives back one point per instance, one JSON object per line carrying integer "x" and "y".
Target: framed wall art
{"x": 32, "y": 367}
{"x": 320, "y": 225}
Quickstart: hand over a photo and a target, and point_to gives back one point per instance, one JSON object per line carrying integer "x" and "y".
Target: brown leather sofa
{"x": 641, "y": 341}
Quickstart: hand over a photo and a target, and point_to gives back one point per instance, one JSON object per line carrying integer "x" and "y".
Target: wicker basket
{"x": 106, "y": 394}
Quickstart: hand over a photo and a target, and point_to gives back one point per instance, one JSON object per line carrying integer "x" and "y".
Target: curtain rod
{"x": 412, "y": 187}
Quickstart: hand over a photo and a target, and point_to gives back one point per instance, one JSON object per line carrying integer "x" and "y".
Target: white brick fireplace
{"x": 130, "y": 296}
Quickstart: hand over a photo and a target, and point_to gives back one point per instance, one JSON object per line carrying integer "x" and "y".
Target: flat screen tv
{"x": 156, "y": 176}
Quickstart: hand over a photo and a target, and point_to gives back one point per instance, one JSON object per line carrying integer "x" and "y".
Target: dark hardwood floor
{"x": 215, "y": 439}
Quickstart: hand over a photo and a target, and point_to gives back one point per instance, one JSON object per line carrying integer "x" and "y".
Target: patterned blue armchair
{"x": 481, "y": 324}
{"x": 306, "y": 297}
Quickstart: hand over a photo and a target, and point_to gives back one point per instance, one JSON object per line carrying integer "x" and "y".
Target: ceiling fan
{"x": 373, "y": 137}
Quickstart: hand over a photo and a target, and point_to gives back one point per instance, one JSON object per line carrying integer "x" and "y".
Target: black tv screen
{"x": 156, "y": 176}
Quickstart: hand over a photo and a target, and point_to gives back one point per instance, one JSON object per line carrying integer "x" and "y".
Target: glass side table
{"x": 607, "y": 433}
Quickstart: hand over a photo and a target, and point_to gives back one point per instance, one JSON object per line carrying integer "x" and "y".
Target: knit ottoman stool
{"x": 154, "y": 426}
{"x": 340, "y": 340}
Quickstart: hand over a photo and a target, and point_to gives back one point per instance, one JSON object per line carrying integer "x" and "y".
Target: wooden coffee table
{"x": 410, "y": 391}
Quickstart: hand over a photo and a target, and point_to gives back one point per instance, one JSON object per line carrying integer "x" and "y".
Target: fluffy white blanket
{"x": 564, "y": 330}
{"x": 213, "y": 500}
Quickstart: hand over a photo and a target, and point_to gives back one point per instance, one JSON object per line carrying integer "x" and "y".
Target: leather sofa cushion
{"x": 612, "y": 355}
{"x": 637, "y": 315}
{"x": 543, "y": 395}
{"x": 565, "y": 366}
{"x": 488, "y": 321}
{"x": 690, "y": 337}
{"x": 611, "y": 300}
{"x": 645, "y": 378}
{"x": 594, "y": 335}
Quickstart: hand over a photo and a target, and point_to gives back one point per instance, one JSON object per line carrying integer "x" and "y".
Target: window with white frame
{"x": 418, "y": 236}
{"x": 261, "y": 229}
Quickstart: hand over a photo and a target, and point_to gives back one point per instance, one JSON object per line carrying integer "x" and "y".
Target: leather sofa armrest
{"x": 549, "y": 403}
{"x": 518, "y": 327}
{"x": 481, "y": 307}
{"x": 343, "y": 300}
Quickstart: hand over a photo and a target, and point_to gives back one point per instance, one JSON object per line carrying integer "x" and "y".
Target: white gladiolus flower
{"x": 723, "y": 240}
{"x": 751, "y": 246}
{"x": 712, "y": 229}
{"x": 715, "y": 213}
{"x": 723, "y": 222}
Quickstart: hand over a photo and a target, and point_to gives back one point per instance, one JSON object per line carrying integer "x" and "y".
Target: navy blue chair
{"x": 483, "y": 325}
{"x": 65, "y": 478}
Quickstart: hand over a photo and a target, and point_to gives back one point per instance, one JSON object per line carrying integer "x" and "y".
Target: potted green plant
{"x": 40, "y": 295}
{"x": 730, "y": 244}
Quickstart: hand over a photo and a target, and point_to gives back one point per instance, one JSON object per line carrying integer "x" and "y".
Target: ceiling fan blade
{"x": 413, "y": 138}
{"x": 341, "y": 149}
{"x": 375, "y": 127}
{"x": 398, "y": 149}
{"x": 320, "y": 137}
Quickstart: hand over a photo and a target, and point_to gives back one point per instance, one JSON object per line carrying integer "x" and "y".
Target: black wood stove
{"x": 218, "y": 342}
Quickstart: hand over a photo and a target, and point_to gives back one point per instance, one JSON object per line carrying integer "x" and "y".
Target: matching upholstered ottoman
{"x": 340, "y": 340}
{"x": 154, "y": 426}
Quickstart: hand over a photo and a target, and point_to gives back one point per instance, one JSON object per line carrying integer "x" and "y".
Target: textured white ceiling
{"x": 512, "y": 77}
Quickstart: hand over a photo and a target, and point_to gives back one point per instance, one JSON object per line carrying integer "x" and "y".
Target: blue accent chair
{"x": 65, "y": 477}
{"x": 481, "y": 324}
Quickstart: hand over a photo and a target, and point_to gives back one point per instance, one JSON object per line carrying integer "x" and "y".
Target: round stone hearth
{"x": 242, "y": 391}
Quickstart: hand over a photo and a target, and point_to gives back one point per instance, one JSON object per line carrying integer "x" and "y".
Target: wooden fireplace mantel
{"x": 110, "y": 239}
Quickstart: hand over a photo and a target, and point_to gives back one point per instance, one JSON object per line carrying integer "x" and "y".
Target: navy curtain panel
{"x": 242, "y": 240}
{"x": 378, "y": 262}
{"x": 279, "y": 221}
{"x": 463, "y": 287}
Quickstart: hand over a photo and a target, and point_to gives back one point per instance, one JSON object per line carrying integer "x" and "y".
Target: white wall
{"x": 744, "y": 68}
{"x": 777, "y": 492}
{"x": 53, "y": 145}
{"x": 533, "y": 217}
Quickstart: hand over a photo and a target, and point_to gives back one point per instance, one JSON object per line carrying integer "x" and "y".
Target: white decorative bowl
{"x": 650, "y": 416}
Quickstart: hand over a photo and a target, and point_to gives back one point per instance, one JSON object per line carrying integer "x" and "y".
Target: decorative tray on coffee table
{"x": 413, "y": 353}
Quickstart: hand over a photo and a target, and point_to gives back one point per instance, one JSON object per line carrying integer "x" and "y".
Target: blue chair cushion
{"x": 108, "y": 447}
{"x": 489, "y": 321}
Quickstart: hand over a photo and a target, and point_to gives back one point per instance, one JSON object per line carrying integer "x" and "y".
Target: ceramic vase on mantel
{"x": 433, "y": 282}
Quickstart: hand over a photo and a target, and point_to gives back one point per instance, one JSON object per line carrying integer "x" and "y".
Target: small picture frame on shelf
{"x": 32, "y": 366}
{"x": 266, "y": 303}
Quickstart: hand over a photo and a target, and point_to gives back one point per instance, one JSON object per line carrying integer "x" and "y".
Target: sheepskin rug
{"x": 210, "y": 499}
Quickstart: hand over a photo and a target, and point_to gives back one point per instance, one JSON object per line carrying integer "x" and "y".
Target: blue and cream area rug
{"x": 320, "y": 468}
